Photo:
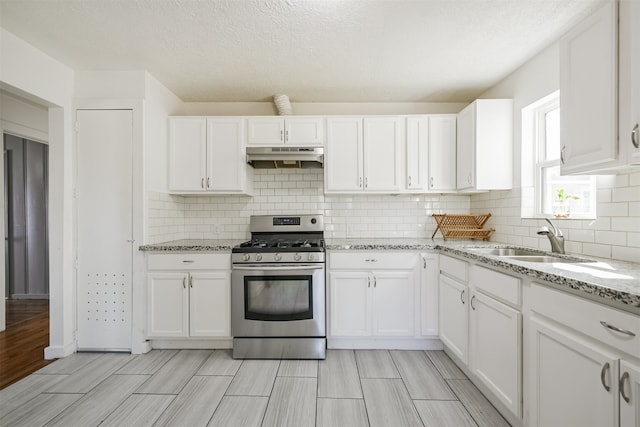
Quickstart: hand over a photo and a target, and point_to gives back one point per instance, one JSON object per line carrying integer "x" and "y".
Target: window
{"x": 541, "y": 142}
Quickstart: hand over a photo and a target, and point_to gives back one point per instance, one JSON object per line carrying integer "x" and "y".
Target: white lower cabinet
{"x": 373, "y": 294}
{"x": 581, "y": 371}
{"x": 189, "y": 295}
{"x": 454, "y": 316}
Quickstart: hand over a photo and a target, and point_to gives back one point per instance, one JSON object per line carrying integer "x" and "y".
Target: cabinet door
{"x": 629, "y": 394}
{"x": 210, "y": 304}
{"x": 442, "y": 152}
{"x": 588, "y": 86}
{"x": 168, "y": 305}
{"x": 453, "y": 316}
{"x": 417, "y": 135}
{"x": 429, "y": 295}
{"x": 265, "y": 131}
{"x": 572, "y": 382}
{"x": 344, "y": 163}
{"x": 465, "y": 152}
{"x": 225, "y": 155}
{"x": 187, "y": 154}
{"x": 495, "y": 348}
{"x": 304, "y": 131}
{"x": 350, "y": 304}
{"x": 393, "y": 303}
{"x": 629, "y": 85}
{"x": 381, "y": 154}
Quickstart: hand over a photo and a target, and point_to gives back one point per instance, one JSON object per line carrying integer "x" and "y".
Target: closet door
{"x": 104, "y": 204}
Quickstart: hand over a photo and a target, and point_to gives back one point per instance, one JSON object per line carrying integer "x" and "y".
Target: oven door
{"x": 278, "y": 300}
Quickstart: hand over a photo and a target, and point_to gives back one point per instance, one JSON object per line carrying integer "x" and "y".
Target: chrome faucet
{"x": 556, "y": 238}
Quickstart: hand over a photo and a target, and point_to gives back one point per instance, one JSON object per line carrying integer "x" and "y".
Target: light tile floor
{"x": 207, "y": 387}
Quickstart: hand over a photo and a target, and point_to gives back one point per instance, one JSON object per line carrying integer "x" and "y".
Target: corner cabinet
{"x": 207, "y": 156}
{"x": 485, "y": 146}
{"x": 275, "y": 131}
{"x": 188, "y": 295}
{"x": 583, "y": 364}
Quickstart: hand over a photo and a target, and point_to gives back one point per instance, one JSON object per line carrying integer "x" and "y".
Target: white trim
{"x": 352, "y": 343}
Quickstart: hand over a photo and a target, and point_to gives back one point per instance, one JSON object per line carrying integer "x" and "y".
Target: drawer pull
{"x": 187, "y": 261}
{"x": 605, "y": 368}
{"x": 615, "y": 328}
{"x": 462, "y": 296}
{"x": 371, "y": 260}
{"x": 624, "y": 377}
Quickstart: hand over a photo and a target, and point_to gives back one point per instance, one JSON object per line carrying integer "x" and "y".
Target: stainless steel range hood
{"x": 285, "y": 157}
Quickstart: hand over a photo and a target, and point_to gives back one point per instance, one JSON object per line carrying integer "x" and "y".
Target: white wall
{"x": 30, "y": 74}
{"x": 616, "y": 232}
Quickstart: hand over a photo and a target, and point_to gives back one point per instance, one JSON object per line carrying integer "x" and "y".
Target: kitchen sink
{"x": 507, "y": 252}
{"x": 545, "y": 259}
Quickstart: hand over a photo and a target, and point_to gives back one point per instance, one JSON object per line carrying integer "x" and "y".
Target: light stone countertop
{"x": 611, "y": 282}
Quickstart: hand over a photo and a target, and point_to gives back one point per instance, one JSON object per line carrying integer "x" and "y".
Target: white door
{"x": 167, "y": 305}
{"x": 417, "y": 137}
{"x": 187, "y": 154}
{"x": 210, "y": 304}
{"x": 629, "y": 394}
{"x": 381, "y": 154}
{"x": 466, "y": 145}
{"x": 265, "y": 132}
{"x": 589, "y": 99}
{"x": 442, "y": 152}
{"x": 225, "y": 153}
{"x": 495, "y": 348}
{"x": 304, "y": 131}
{"x": 350, "y": 305}
{"x": 453, "y": 316}
{"x": 344, "y": 163}
{"x": 104, "y": 185}
{"x": 572, "y": 381}
{"x": 393, "y": 303}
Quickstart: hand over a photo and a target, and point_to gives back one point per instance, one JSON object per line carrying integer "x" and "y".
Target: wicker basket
{"x": 462, "y": 226}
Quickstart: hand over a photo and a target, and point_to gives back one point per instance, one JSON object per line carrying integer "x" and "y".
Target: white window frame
{"x": 533, "y": 160}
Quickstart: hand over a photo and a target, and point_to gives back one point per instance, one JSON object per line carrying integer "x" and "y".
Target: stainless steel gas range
{"x": 278, "y": 289}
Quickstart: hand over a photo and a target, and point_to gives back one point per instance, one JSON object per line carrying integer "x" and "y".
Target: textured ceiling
{"x": 312, "y": 50}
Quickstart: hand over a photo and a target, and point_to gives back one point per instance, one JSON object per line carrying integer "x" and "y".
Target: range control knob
{"x": 246, "y": 257}
{"x": 259, "y": 257}
{"x": 313, "y": 220}
{"x": 277, "y": 257}
{"x": 311, "y": 257}
{"x": 297, "y": 257}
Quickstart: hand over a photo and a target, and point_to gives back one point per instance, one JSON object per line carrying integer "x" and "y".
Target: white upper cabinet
{"x": 484, "y": 145}
{"x": 363, "y": 154}
{"x": 274, "y": 131}
{"x": 589, "y": 93}
{"x": 207, "y": 156}
{"x": 629, "y": 83}
{"x": 417, "y": 152}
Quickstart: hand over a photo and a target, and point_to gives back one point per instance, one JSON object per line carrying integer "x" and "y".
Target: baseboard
{"x": 193, "y": 344}
{"x": 58, "y": 352}
{"x": 384, "y": 343}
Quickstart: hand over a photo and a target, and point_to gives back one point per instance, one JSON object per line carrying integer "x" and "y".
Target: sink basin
{"x": 507, "y": 252}
{"x": 546, "y": 259}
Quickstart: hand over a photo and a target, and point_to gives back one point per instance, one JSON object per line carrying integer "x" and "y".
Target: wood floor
{"x": 206, "y": 387}
{"x": 22, "y": 343}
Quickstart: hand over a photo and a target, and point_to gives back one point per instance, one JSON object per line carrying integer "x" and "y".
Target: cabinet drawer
{"x": 585, "y": 316}
{"x": 189, "y": 261}
{"x": 499, "y": 285}
{"x": 373, "y": 261}
{"x": 455, "y": 268}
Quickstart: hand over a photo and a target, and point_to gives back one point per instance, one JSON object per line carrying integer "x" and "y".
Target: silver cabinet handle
{"x": 369, "y": 282}
{"x": 615, "y": 328}
{"x": 375, "y": 282}
{"x": 624, "y": 377}
{"x": 431, "y": 182}
{"x": 424, "y": 263}
{"x": 366, "y": 182}
{"x": 635, "y": 136}
{"x": 202, "y": 182}
{"x": 409, "y": 180}
{"x": 462, "y": 296}
{"x": 562, "y": 154}
{"x": 360, "y": 185}
{"x": 371, "y": 260}
{"x": 208, "y": 182}
{"x": 282, "y": 135}
{"x": 188, "y": 261}
{"x": 605, "y": 368}
{"x": 190, "y": 281}
{"x": 471, "y": 303}
{"x": 131, "y": 240}
{"x": 286, "y": 136}
{"x": 184, "y": 282}
{"x": 469, "y": 178}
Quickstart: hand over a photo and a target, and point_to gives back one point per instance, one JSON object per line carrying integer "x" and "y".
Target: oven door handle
{"x": 279, "y": 268}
